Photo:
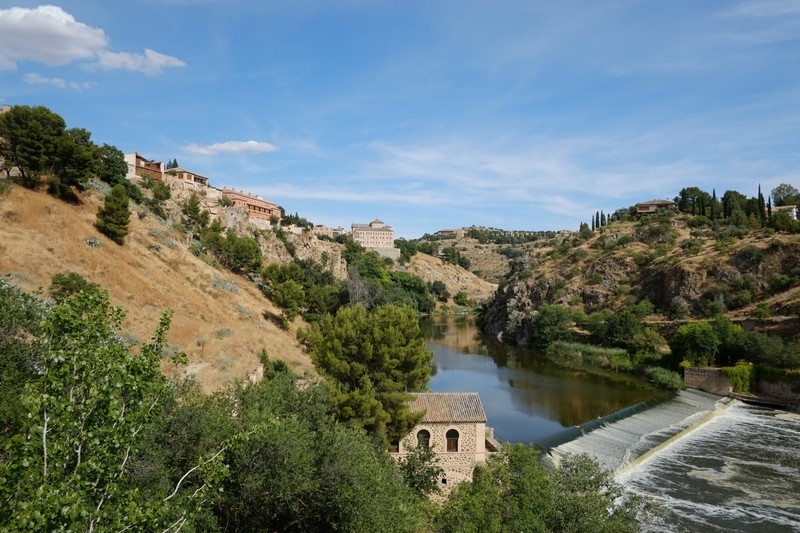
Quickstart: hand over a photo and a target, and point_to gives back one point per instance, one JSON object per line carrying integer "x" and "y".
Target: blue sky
{"x": 427, "y": 114}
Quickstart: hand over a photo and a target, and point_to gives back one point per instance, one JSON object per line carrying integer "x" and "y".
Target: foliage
{"x": 29, "y": 141}
{"x": 194, "y": 216}
{"x": 373, "y": 360}
{"x": 314, "y": 290}
{"x": 785, "y": 194}
{"x": 68, "y": 468}
{"x": 21, "y": 317}
{"x": 439, "y": 290}
{"x": 741, "y": 376}
{"x": 407, "y": 249}
{"x": 65, "y": 284}
{"x": 696, "y": 343}
{"x": 296, "y": 469}
{"x": 421, "y": 470}
{"x": 113, "y": 217}
{"x": 664, "y": 379}
{"x": 551, "y": 323}
{"x": 575, "y": 354}
{"x": 513, "y": 492}
{"x": 461, "y": 298}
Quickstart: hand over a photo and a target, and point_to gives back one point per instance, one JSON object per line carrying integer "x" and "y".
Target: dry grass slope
{"x": 221, "y": 331}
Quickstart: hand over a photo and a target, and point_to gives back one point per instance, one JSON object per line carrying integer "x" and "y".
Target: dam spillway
{"x": 712, "y": 464}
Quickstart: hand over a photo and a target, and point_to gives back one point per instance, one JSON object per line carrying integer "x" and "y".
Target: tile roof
{"x": 449, "y": 406}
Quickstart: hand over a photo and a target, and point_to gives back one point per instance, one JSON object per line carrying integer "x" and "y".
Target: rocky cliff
{"x": 683, "y": 271}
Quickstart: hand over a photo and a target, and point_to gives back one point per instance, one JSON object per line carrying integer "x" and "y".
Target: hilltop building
{"x": 186, "y": 176}
{"x": 652, "y": 206}
{"x": 454, "y": 426}
{"x": 790, "y": 210}
{"x": 376, "y": 236}
{"x": 259, "y": 211}
{"x": 138, "y": 165}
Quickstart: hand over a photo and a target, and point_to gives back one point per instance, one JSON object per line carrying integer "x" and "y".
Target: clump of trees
{"x": 513, "y": 492}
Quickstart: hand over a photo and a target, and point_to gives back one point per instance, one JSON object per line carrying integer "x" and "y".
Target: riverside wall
{"x": 714, "y": 381}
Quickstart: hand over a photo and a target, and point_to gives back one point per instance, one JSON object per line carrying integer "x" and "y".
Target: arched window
{"x": 452, "y": 440}
{"x": 424, "y": 438}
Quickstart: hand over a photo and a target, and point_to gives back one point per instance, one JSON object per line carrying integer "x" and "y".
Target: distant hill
{"x": 687, "y": 268}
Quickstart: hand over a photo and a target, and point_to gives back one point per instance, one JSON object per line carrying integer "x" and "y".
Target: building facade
{"x": 454, "y": 426}
{"x": 259, "y": 211}
{"x": 138, "y": 165}
{"x": 376, "y": 234}
{"x": 186, "y": 176}
{"x": 652, "y": 206}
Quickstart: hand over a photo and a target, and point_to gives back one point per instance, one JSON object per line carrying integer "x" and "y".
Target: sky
{"x": 520, "y": 115}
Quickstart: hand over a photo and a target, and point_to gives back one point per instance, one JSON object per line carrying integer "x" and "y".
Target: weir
{"x": 626, "y": 438}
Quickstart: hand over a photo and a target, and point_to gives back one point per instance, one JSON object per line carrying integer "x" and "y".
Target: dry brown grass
{"x": 41, "y": 236}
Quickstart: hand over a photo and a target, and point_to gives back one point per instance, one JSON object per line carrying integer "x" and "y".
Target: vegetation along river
{"x": 713, "y": 465}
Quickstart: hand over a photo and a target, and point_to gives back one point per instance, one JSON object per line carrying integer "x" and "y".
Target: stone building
{"x": 187, "y": 176}
{"x": 454, "y": 425}
{"x": 259, "y": 211}
{"x": 376, "y": 234}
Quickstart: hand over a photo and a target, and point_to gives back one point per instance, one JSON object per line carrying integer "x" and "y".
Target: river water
{"x": 712, "y": 464}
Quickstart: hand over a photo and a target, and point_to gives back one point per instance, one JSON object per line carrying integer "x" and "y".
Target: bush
{"x": 665, "y": 379}
{"x": 741, "y": 376}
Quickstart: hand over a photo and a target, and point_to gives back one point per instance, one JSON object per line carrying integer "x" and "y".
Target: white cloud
{"x": 37, "y": 79}
{"x": 50, "y": 35}
{"x": 47, "y": 35}
{"x": 231, "y": 147}
{"x": 151, "y": 62}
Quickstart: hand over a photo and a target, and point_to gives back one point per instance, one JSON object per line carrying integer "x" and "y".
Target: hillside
{"x": 454, "y": 277}
{"x": 222, "y": 321}
{"x": 687, "y": 270}
{"x": 219, "y": 317}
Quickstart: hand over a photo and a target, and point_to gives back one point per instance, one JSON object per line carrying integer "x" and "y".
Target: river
{"x": 712, "y": 465}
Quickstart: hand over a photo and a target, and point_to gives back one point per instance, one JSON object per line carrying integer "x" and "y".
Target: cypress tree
{"x": 597, "y": 219}
{"x": 113, "y": 217}
{"x": 602, "y": 218}
{"x": 762, "y": 211}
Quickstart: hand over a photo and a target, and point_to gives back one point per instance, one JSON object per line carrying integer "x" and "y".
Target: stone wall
{"x": 707, "y": 379}
{"x": 457, "y": 466}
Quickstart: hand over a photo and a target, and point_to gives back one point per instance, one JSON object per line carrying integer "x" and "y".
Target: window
{"x": 424, "y": 438}
{"x": 452, "y": 440}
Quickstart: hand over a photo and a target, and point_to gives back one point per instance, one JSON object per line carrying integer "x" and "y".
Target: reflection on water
{"x": 526, "y": 399}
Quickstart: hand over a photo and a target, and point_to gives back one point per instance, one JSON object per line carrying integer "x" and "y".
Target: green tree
{"x": 111, "y": 164}
{"x": 785, "y": 194}
{"x": 113, "y": 217}
{"x": 289, "y": 296}
{"x": 421, "y": 470}
{"x": 240, "y": 253}
{"x": 194, "y": 216}
{"x": 513, "y": 492}
{"x": 65, "y": 284}
{"x": 67, "y": 470}
{"x": 29, "y": 141}
{"x": 695, "y": 343}
{"x": 374, "y": 359}
{"x": 75, "y": 163}
{"x": 551, "y": 323}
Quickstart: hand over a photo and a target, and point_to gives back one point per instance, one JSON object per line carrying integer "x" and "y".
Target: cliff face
{"x": 683, "y": 272}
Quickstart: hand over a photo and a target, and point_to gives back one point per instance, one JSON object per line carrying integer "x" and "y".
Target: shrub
{"x": 665, "y": 379}
{"x": 740, "y": 376}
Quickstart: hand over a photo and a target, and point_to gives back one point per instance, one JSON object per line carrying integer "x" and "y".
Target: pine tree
{"x": 113, "y": 217}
